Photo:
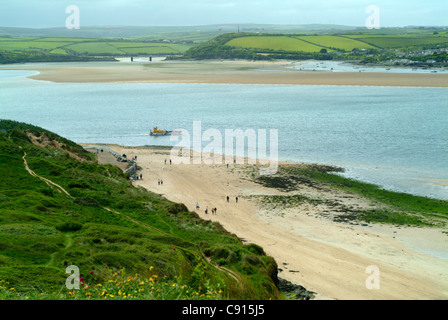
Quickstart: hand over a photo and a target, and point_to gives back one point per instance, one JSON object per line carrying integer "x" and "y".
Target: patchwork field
{"x": 337, "y": 42}
{"x": 386, "y": 42}
{"x": 88, "y": 46}
{"x": 348, "y": 42}
{"x": 274, "y": 43}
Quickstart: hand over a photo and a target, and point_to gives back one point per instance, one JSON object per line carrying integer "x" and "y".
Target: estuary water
{"x": 396, "y": 137}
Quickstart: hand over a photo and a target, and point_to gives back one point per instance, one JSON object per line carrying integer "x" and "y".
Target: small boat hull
{"x": 161, "y": 132}
{"x": 164, "y": 133}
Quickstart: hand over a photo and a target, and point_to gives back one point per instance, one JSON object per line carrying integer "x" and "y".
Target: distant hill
{"x": 340, "y": 45}
{"x": 204, "y": 32}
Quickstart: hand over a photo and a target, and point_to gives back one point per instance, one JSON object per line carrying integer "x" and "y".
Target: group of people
{"x": 160, "y": 182}
{"x": 236, "y": 199}
{"x": 141, "y": 176}
{"x": 214, "y": 210}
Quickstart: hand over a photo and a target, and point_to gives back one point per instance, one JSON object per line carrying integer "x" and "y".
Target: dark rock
{"x": 299, "y": 292}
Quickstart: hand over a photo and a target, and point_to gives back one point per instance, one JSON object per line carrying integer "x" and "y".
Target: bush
{"x": 176, "y": 208}
{"x": 69, "y": 226}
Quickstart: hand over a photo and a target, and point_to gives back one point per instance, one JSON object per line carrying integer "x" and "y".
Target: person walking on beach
{"x": 236, "y": 198}
{"x": 206, "y": 210}
{"x": 158, "y": 182}
{"x": 197, "y": 205}
{"x": 215, "y": 210}
{"x": 141, "y": 176}
{"x": 227, "y": 198}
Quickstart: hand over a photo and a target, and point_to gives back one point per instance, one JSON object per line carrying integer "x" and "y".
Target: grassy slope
{"x": 336, "y": 42}
{"x": 42, "y": 231}
{"x": 300, "y": 46}
{"x": 274, "y": 43}
{"x": 341, "y": 42}
{"x": 64, "y": 47}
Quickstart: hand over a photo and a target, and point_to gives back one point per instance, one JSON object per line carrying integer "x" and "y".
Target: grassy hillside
{"x": 274, "y": 43}
{"x": 323, "y": 46}
{"x": 337, "y": 42}
{"x": 65, "y": 48}
{"x": 122, "y": 238}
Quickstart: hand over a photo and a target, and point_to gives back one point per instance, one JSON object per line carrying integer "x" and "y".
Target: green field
{"x": 336, "y": 42}
{"x": 274, "y": 43}
{"x": 9, "y": 45}
{"x": 88, "y": 46}
{"x": 339, "y": 42}
{"x": 404, "y": 41}
{"x": 245, "y": 45}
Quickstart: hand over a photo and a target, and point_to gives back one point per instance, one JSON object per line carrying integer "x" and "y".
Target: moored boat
{"x": 159, "y": 132}
{"x": 162, "y": 132}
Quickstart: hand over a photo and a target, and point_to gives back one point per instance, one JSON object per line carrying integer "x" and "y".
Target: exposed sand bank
{"x": 327, "y": 257}
{"x": 222, "y": 72}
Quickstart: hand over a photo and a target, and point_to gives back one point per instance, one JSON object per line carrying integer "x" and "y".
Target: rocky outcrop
{"x": 296, "y": 291}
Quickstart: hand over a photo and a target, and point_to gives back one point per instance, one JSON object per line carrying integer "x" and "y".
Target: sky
{"x": 52, "y": 13}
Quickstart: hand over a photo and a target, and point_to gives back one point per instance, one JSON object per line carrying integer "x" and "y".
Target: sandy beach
{"x": 222, "y": 72}
{"x": 311, "y": 249}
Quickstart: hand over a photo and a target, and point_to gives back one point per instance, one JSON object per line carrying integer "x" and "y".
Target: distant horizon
{"x": 53, "y": 14}
{"x": 227, "y": 24}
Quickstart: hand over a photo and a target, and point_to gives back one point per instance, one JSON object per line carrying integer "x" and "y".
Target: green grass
{"x": 116, "y": 283}
{"x": 31, "y": 45}
{"x": 65, "y": 46}
{"x": 402, "y": 208}
{"x": 42, "y": 231}
{"x": 378, "y": 43}
{"x": 93, "y": 48}
{"x": 274, "y": 43}
{"x": 335, "y": 42}
{"x": 401, "y": 41}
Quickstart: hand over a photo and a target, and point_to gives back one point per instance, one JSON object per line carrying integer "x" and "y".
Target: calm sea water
{"x": 396, "y": 137}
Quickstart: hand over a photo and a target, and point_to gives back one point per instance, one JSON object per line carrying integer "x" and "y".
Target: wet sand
{"x": 222, "y": 72}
